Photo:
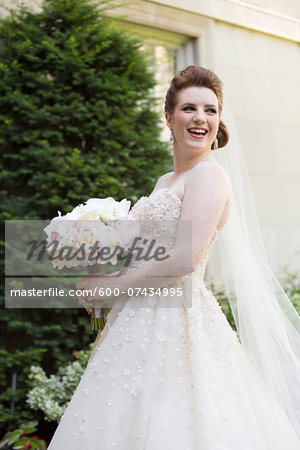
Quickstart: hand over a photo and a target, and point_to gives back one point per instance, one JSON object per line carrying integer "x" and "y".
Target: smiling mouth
{"x": 198, "y": 133}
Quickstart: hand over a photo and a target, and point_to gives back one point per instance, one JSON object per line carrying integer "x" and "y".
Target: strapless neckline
{"x": 170, "y": 191}
{"x": 178, "y": 200}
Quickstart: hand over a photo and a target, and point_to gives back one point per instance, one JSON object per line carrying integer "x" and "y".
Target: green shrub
{"x": 76, "y": 111}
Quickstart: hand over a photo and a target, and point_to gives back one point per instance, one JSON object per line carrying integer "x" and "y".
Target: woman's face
{"x": 196, "y": 118}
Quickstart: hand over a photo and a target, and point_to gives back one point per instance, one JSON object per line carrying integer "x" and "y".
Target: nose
{"x": 199, "y": 115}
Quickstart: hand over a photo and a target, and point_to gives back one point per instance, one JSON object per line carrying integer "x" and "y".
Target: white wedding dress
{"x": 175, "y": 378}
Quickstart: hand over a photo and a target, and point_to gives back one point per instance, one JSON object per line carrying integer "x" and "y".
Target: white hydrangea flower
{"x": 52, "y": 394}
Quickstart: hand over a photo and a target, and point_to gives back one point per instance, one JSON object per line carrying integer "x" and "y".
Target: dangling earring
{"x": 172, "y": 137}
{"x": 216, "y": 143}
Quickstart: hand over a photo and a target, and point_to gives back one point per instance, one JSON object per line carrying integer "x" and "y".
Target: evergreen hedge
{"x": 76, "y": 111}
{"x": 77, "y": 121}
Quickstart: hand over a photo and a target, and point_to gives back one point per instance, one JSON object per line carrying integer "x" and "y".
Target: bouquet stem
{"x": 97, "y": 319}
{"x": 97, "y": 316}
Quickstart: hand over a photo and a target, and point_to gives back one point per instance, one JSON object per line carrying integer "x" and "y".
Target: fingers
{"x": 87, "y": 305}
{"x": 80, "y": 284}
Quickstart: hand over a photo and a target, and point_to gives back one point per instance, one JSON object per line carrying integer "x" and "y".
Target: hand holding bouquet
{"x": 93, "y": 234}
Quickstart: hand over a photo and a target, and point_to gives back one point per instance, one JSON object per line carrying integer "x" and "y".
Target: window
{"x": 168, "y": 52}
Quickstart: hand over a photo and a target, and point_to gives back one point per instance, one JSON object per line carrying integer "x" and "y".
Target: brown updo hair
{"x": 200, "y": 77}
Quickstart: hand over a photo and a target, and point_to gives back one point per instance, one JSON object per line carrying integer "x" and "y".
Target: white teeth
{"x": 197, "y": 131}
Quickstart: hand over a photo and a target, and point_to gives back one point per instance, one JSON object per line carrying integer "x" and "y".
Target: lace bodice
{"x": 159, "y": 214}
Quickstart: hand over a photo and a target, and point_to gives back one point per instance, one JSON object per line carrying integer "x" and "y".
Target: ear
{"x": 168, "y": 118}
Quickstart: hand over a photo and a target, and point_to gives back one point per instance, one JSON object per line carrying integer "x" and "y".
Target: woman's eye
{"x": 192, "y": 108}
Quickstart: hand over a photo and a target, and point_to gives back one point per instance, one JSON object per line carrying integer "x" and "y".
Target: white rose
{"x": 128, "y": 229}
{"x": 109, "y": 209}
{"x": 89, "y": 231}
{"x": 108, "y": 237}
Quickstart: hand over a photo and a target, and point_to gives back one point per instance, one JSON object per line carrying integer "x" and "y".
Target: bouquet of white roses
{"x": 85, "y": 235}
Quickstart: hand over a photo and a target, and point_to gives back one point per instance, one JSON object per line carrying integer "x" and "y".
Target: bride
{"x": 168, "y": 372}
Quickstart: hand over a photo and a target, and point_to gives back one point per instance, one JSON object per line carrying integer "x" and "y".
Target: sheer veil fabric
{"x": 267, "y": 323}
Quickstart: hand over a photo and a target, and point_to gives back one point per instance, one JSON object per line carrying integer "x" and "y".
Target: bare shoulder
{"x": 163, "y": 180}
{"x": 209, "y": 171}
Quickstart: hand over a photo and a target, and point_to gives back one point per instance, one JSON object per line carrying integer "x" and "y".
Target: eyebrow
{"x": 193, "y": 104}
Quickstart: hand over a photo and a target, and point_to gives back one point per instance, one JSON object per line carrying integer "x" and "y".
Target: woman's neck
{"x": 183, "y": 165}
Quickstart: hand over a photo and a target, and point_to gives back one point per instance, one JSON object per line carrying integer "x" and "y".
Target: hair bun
{"x": 222, "y": 136}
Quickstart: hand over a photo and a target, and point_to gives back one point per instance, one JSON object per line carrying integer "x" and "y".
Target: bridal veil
{"x": 267, "y": 323}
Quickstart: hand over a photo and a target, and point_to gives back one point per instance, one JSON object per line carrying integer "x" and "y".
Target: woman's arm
{"x": 206, "y": 194}
{"x": 207, "y": 191}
